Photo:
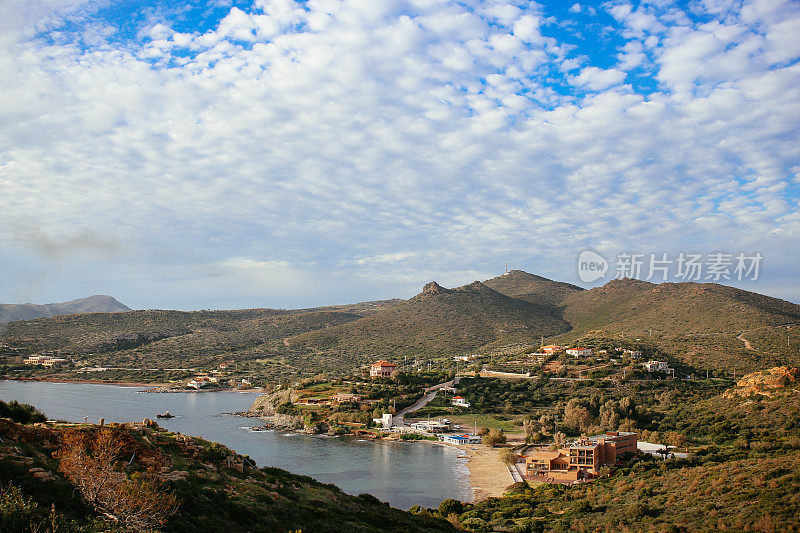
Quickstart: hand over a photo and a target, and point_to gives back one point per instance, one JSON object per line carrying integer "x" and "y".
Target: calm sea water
{"x": 403, "y": 474}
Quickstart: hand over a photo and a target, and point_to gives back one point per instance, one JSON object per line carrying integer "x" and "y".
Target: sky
{"x": 279, "y": 153}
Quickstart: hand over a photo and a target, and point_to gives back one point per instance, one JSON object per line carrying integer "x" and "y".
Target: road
{"x": 430, "y": 394}
{"x": 746, "y": 342}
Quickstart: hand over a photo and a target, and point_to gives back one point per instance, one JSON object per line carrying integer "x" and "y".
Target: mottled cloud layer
{"x": 292, "y": 153}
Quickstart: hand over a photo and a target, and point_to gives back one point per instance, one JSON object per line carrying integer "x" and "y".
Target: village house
{"x": 198, "y": 382}
{"x": 551, "y": 349}
{"x": 656, "y": 366}
{"x": 582, "y": 459}
{"x": 382, "y": 369}
{"x": 458, "y": 401}
{"x": 633, "y": 354}
{"x": 579, "y": 352}
{"x": 346, "y": 398}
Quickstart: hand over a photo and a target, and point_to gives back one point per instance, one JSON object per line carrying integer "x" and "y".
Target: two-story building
{"x": 579, "y": 352}
{"x": 382, "y": 369}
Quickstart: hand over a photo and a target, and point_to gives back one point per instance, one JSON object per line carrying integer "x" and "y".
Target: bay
{"x": 403, "y": 474}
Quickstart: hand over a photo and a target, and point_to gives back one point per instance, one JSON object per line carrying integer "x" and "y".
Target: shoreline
{"x": 131, "y": 384}
{"x": 488, "y": 476}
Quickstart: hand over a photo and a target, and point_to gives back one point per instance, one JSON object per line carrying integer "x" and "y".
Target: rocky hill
{"x": 532, "y": 288}
{"x": 638, "y": 306}
{"x": 437, "y": 321}
{"x": 92, "y": 304}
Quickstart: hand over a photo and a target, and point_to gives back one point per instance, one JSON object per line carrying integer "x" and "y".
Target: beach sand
{"x": 488, "y": 476}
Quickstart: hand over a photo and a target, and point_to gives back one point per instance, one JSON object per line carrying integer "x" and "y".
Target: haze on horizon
{"x": 232, "y": 154}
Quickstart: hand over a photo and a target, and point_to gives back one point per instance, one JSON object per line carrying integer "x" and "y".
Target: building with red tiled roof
{"x": 382, "y": 369}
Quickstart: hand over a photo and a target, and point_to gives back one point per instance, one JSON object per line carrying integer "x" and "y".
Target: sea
{"x": 403, "y": 474}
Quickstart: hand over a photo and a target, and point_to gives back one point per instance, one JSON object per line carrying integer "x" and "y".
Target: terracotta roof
{"x": 383, "y": 363}
{"x": 545, "y": 455}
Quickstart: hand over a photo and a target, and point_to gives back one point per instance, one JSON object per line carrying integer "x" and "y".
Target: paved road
{"x": 430, "y": 394}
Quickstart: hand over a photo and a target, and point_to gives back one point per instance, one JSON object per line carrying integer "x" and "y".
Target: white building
{"x": 656, "y": 366}
{"x": 458, "y": 401}
{"x": 633, "y": 353}
{"x": 579, "y": 352}
{"x": 460, "y": 439}
{"x": 385, "y": 421}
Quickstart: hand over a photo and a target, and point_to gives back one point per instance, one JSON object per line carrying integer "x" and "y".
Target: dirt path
{"x": 746, "y": 342}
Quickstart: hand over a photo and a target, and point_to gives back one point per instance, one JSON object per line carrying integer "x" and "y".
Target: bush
{"x": 21, "y": 412}
{"x": 450, "y": 506}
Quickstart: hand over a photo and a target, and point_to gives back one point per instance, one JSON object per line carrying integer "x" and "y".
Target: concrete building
{"x": 431, "y": 426}
{"x": 582, "y": 459}
{"x": 579, "y": 352}
{"x": 382, "y": 369}
{"x": 656, "y": 366}
{"x": 385, "y": 421}
{"x": 460, "y": 439}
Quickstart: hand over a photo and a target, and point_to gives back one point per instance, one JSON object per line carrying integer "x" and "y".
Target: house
{"x": 382, "y": 369}
{"x": 460, "y": 439}
{"x": 44, "y": 360}
{"x": 198, "y": 382}
{"x": 579, "y": 352}
{"x": 582, "y": 459}
{"x": 384, "y": 421}
{"x": 466, "y": 358}
{"x": 458, "y": 401}
{"x": 346, "y": 398}
{"x": 551, "y": 349}
{"x": 656, "y": 366}
{"x": 634, "y": 354}
{"x": 431, "y": 426}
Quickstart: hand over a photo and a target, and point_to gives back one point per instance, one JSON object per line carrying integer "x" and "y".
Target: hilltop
{"x": 93, "y": 304}
{"x": 532, "y": 288}
{"x": 437, "y": 321}
{"x": 638, "y": 306}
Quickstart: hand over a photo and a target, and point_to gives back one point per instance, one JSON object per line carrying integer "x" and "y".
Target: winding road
{"x": 430, "y": 394}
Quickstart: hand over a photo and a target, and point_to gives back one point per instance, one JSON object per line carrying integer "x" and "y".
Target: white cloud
{"x": 327, "y": 143}
{"x": 597, "y": 79}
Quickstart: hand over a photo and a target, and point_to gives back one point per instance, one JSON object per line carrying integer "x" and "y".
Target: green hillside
{"x": 48, "y": 473}
{"x": 437, "y": 321}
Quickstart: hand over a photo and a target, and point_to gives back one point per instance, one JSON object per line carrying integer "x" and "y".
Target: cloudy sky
{"x": 274, "y": 153}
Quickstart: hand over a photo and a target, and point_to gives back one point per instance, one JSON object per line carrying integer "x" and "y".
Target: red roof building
{"x": 382, "y": 369}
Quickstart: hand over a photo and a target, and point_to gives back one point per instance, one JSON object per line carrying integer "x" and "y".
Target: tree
{"x": 495, "y": 437}
{"x": 508, "y": 456}
{"x": 450, "y": 506}
{"x": 90, "y": 462}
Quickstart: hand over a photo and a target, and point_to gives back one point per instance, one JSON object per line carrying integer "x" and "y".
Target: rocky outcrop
{"x": 267, "y": 407}
{"x": 766, "y": 382}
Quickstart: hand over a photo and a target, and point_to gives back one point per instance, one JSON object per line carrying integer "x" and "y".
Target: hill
{"x": 638, "y": 306}
{"x": 92, "y": 304}
{"x": 532, "y": 288}
{"x": 138, "y": 477}
{"x": 436, "y": 321}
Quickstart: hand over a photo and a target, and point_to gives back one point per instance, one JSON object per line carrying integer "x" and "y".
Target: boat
{"x": 165, "y": 415}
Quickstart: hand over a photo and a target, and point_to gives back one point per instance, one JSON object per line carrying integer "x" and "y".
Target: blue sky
{"x": 286, "y": 154}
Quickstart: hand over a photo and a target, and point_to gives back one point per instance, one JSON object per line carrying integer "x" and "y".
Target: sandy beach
{"x": 488, "y": 476}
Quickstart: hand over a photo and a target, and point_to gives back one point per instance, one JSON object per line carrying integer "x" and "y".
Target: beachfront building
{"x": 431, "y": 426}
{"x": 460, "y": 439}
{"x": 382, "y": 369}
{"x": 582, "y": 459}
{"x": 458, "y": 401}
{"x": 656, "y": 366}
{"x": 197, "y": 382}
{"x": 579, "y": 352}
{"x": 384, "y": 421}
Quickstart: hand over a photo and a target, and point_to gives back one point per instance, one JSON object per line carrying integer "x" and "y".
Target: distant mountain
{"x": 437, "y": 321}
{"x": 675, "y": 308}
{"x": 532, "y": 288}
{"x": 93, "y": 304}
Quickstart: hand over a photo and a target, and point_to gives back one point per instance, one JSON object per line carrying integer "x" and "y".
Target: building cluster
{"x": 581, "y": 459}
{"x": 44, "y": 360}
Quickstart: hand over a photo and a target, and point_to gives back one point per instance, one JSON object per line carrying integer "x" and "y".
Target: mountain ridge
{"x": 98, "y": 303}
